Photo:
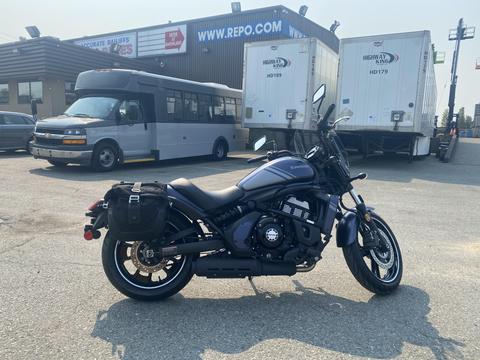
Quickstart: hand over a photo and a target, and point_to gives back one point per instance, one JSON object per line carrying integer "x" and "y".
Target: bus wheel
{"x": 105, "y": 157}
{"x": 220, "y": 150}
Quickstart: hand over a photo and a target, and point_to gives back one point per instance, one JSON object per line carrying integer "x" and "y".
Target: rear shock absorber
{"x": 230, "y": 214}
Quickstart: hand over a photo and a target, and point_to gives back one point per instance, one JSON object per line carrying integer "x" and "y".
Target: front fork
{"x": 370, "y": 231}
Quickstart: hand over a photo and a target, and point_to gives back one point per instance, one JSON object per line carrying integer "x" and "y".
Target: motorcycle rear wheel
{"x": 367, "y": 265}
{"x": 139, "y": 280}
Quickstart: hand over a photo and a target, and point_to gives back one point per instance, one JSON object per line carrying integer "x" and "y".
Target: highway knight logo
{"x": 382, "y": 58}
{"x": 278, "y": 62}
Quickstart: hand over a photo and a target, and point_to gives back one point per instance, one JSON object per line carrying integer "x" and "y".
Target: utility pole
{"x": 460, "y": 33}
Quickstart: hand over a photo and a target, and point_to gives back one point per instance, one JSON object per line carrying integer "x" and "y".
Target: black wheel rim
{"x": 148, "y": 275}
{"x": 220, "y": 151}
{"x": 384, "y": 263}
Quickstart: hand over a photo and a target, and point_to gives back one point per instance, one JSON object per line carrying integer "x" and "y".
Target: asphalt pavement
{"x": 56, "y": 303}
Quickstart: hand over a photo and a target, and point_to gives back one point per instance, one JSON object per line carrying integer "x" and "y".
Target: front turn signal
{"x": 74, "y": 141}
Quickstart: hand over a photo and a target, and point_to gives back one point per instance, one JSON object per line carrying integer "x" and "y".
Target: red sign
{"x": 174, "y": 39}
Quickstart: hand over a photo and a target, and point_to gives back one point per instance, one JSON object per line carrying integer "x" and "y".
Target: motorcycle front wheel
{"x": 379, "y": 270}
{"x": 133, "y": 268}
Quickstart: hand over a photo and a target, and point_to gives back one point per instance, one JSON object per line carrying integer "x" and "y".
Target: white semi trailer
{"x": 388, "y": 81}
{"x": 279, "y": 80}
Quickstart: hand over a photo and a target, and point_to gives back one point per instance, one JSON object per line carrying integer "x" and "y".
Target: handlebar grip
{"x": 329, "y": 112}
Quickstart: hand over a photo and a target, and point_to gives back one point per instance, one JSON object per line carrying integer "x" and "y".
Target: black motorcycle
{"x": 275, "y": 221}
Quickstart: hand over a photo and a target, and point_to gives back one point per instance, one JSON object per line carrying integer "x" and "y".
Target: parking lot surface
{"x": 56, "y": 303}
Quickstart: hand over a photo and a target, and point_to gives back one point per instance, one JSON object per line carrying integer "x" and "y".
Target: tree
{"x": 461, "y": 118}
{"x": 443, "y": 120}
{"x": 468, "y": 122}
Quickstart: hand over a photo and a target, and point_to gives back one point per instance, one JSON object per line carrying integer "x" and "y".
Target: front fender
{"x": 347, "y": 229}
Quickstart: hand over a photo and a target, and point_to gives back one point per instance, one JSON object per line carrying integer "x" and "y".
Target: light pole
{"x": 460, "y": 33}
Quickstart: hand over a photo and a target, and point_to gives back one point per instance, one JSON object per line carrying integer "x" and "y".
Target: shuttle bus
{"x": 124, "y": 116}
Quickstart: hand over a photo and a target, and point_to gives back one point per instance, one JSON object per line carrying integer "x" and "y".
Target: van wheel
{"x": 220, "y": 150}
{"x": 105, "y": 157}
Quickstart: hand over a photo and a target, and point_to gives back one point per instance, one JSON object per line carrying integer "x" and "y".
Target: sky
{"x": 73, "y": 18}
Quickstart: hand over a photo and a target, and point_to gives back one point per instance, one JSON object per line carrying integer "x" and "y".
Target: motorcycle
{"x": 275, "y": 221}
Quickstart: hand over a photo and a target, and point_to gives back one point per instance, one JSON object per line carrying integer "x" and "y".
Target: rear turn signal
{"x": 74, "y": 141}
{"x": 88, "y": 235}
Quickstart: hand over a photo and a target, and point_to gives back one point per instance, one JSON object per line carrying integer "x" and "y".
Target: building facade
{"x": 206, "y": 50}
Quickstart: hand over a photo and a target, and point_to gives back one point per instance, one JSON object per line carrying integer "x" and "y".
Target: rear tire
{"x": 57, "y": 163}
{"x": 220, "y": 150}
{"x": 142, "y": 289}
{"x": 355, "y": 257}
{"x": 105, "y": 157}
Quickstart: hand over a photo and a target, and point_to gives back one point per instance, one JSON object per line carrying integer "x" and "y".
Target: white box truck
{"x": 388, "y": 81}
{"x": 279, "y": 80}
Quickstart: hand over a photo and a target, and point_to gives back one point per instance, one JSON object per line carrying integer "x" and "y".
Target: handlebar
{"x": 271, "y": 155}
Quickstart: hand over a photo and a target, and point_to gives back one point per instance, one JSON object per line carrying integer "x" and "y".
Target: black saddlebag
{"x": 137, "y": 211}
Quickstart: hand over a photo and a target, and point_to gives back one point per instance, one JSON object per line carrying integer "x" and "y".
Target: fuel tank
{"x": 283, "y": 170}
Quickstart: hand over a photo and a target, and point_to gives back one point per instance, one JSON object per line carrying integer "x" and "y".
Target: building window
{"x": 30, "y": 90}
{"x": 190, "y": 108}
{"x": 174, "y": 106}
{"x": 70, "y": 95}
{"x": 4, "y": 94}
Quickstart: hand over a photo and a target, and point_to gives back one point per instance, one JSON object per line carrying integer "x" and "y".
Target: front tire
{"x": 105, "y": 157}
{"x": 364, "y": 264}
{"x": 154, "y": 281}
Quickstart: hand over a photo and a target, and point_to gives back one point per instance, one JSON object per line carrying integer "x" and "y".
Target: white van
{"x": 124, "y": 116}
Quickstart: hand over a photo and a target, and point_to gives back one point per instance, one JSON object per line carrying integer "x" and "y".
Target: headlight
{"x": 75, "y": 132}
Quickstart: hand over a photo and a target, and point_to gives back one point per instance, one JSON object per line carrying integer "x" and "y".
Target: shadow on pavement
{"x": 185, "y": 328}
{"x": 165, "y": 170}
{"x": 10, "y": 154}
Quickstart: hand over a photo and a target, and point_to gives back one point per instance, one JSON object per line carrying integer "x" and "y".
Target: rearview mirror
{"x": 259, "y": 143}
{"x": 319, "y": 94}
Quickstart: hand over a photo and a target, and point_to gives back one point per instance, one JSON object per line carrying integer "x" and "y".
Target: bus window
{"x": 229, "y": 110}
{"x": 218, "y": 109}
{"x": 130, "y": 111}
{"x": 190, "y": 108}
{"x": 174, "y": 106}
{"x": 238, "y": 103}
{"x": 205, "y": 111}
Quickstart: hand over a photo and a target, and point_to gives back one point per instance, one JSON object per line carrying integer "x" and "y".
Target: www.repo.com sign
{"x": 243, "y": 31}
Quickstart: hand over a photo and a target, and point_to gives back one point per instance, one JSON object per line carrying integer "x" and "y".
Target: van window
{"x": 238, "y": 104}
{"x": 93, "y": 107}
{"x": 229, "y": 110}
{"x": 174, "y": 105}
{"x": 190, "y": 109}
{"x": 205, "y": 108}
{"x": 131, "y": 111}
{"x": 218, "y": 109}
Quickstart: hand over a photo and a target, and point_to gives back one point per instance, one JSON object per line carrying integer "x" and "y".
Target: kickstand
{"x": 255, "y": 290}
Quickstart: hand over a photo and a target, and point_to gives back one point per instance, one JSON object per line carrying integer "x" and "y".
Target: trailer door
{"x": 275, "y": 84}
{"x": 379, "y": 77}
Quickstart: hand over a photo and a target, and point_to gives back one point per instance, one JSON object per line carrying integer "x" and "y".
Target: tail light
{"x": 95, "y": 205}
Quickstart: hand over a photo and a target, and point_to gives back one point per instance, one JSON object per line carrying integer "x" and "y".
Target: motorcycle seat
{"x": 206, "y": 200}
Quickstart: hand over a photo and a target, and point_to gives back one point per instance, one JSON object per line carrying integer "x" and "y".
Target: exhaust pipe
{"x": 192, "y": 248}
{"x": 213, "y": 267}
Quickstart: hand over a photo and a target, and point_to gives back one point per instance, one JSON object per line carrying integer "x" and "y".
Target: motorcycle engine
{"x": 272, "y": 239}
